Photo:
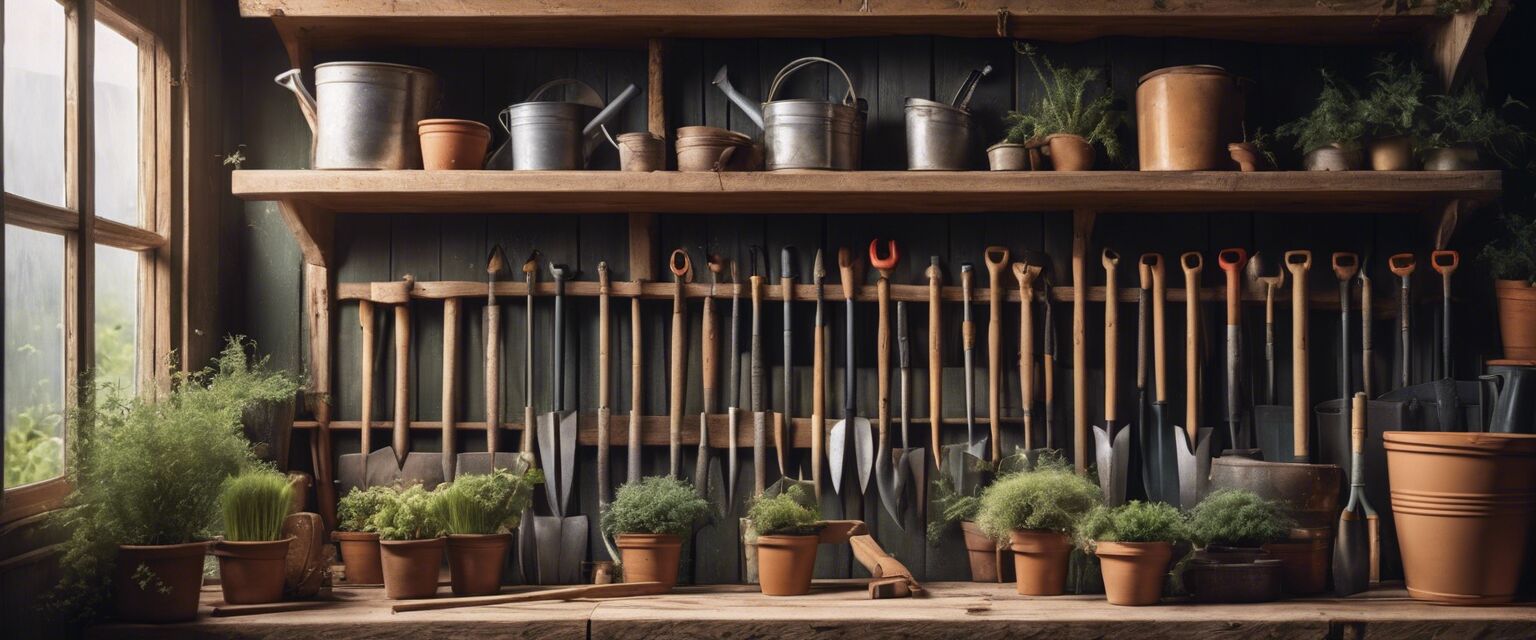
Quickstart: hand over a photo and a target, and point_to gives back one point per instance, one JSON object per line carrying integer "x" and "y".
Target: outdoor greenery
{"x": 1134, "y": 521}
{"x": 33, "y": 449}
{"x": 1335, "y": 120}
{"x": 785, "y": 514}
{"x": 354, "y": 511}
{"x": 1394, "y": 102}
{"x": 1052, "y": 499}
{"x": 1462, "y": 119}
{"x": 255, "y": 504}
{"x": 1238, "y": 518}
{"x": 411, "y": 514}
{"x": 659, "y": 505}
{"x": 1513, "y": 255}
{"x": 486, "y": 503}
{"x": 1064, "y": 107}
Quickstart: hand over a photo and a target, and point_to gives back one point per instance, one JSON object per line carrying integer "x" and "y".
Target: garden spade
{"x": 397, "y": 464}
{"x": 1026, "y": 274}
{"x": 491, "y": 459}
{"x": 1160, "y": 436}
{"x": 862, "y": 431}
{"x": 682, "y": 273}
{"x": 759, "y": 418}
{"x": 1357, "y": 541}
{"x": 783, "y": 427}
{"x": 1240, "y": 441}
{"x": 557, "y": 428}
{"x": 1193, "y": 454}
{"x": 961, "y": 456}
{"x": 708, "y": 366}
{"x": 1112, "y": 439}
{"x": 1403, "y": 265}
{"x": 889, "y": 467}
{"x": 818, "y": 382}
{"x": 1272, "y": 420}
{"x": 352, "y": 468}
{"x": 995, "y": 269}
{"x": 528, "y": 549}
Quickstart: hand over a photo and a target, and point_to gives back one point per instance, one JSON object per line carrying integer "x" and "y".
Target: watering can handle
{"x": 1486, "y": 400}
{"x": 293, "y": 80}
{"x": 587, "y": 96}
{"x": 850, "y": 98}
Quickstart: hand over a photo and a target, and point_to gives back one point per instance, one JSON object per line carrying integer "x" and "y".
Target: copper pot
{"x": 1070, "y": 152}
{"x": 1186, "y": 116}
{"x": 1517, "y": 318}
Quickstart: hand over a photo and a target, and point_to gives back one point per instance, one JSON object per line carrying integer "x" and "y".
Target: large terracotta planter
{"x": 650, "y": 557}
{"x": 172, "y": 590}
{"x": 1394, "y": 153}
{"x": 1134, "y": 571}
{"x": 359, "y": 556}
{"x": 1185, "y": 116}
{"x": 1463, "y": 504}
{"x": 1070, "y": 152}
{"x": 1040, "y": 561}
{"x": 411, "y": 567}
{"x": 252, "y": 572}
{"x": 1304, "y": 560}
{"x": 785, "y": 564}
{"x": 988, "y": 562}
{"x": 474, "y": 563}
{"x": 453, "y": 144}
{"x": 1517, "y": 318}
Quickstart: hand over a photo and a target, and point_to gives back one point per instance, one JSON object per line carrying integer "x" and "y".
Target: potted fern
{"x": 1231, "y": 526}
{"x": 1036, "y": 513}
{"x": 1253, "y": 153}
{"x": 648, "y": 520}
{"x": 356, "y": 536}
{"x": 1065, "y": 120}
{"x": 1391, "y": 111}
{"x": 253, "y": 553}
{"x": 1462, "y": 127}
{"x": 1512, "y": 261}
{"x": 785, "y": 527}
{"x": 410, "y": 543}
{"x": 478, "y": 511}
{"x": 1329, "y": 136}
{"x": 1134, "y": 544}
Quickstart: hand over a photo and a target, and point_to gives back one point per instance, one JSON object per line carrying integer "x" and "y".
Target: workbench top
{"x": 950, "y": 609}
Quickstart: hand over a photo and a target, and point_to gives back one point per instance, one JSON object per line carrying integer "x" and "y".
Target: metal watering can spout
{"x": 589, "y": 133}
{"x": 752, "y": 109}
{"x": 293, "y": 80}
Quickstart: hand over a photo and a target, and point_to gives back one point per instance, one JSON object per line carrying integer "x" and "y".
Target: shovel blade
{"x": 1112, "y": 454}
{"x": 1194, "y": 463}
{"x": 1275, "y": 433}
{"x": 1351, "y": 554}
{"x": 701, "y": 469}
{"x": 888, "y": 481}
{"x": 549, "y": 456}
{"x": 863, "y": 451}
{"x": 425, "y": 469}
{"x": 966, "y": 470}
{"x": 1160, "y": 472}
{"x": 837, "y": 452}
{"x": 383, "y": 468}
{"x": 917, "y": 462}
{"x": 568, "y": 429}
{"x": 560, "y": 545}
{"x": 349, "y": 473}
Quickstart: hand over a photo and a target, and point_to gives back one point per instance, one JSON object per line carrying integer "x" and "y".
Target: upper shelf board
{"x": 865, "y": 191}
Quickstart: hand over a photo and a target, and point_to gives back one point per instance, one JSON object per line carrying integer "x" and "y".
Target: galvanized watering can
{"x": 555, "y": 135}
{"x": 366, "y": 113}
{"x": 805, "y": 133}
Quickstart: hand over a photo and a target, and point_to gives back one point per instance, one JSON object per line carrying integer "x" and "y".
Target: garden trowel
{"x": 396, "y": 464}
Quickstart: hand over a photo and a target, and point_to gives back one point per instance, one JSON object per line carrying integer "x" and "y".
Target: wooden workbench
{"x": 954, "y": 609}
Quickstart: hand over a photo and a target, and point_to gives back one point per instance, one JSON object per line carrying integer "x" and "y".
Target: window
{"x": 81, "y": 231}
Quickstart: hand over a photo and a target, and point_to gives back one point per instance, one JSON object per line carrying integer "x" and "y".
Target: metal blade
{"x": 549, "y": 456}
{"x": 383, "y": 471}
{"x": 1160, "y": 471}
{"x": 573, "y": 548}
{"x": 1351, "y": 554}
{"x": 1113, "y": 484}
{"x": 837, "y": 452}
{"x": 1194, "y": 463}
{"x": 887, "y": 482}
{"x": 425, "y": 469}
{"x": 568, "y": 429}
{"x": 701, "y": 469}
{"x": 484, "y": 462}
{"x": 864, "y": 450}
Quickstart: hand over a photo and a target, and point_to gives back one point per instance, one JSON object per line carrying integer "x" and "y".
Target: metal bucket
{"x": 555, "y": 136}
{"x": 363, "y": 114}
{"x": 938, "y": 136}
{"x": 812, "y": 134}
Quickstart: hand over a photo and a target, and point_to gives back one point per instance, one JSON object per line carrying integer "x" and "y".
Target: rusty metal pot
{"x": 1186, "y": 116}
{"x": 1310, "y": 490}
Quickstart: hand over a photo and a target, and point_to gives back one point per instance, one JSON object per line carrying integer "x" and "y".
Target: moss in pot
{"x": 1392, "y": 113}
{"x": 1065, "y": 120}
{"x": 410, "y": 529}
{"x": 478, "y": 512}
{"x": 1134, "y": 543}
{"x": 648, "y": 520}
{"x": 356, "y": 536}
{"x": 1511, "y": 260}
{"x": 1232, "y": 525}
{"x": 785, "y": 529}
{"x": 1461, "y": 128}
{"x": 1329, "y": 137}
{"x": 1036, "y": 512}
{"x": 253, "y": 553}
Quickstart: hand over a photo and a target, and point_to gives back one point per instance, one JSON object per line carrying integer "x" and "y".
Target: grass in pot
{"x": 648, "y": 520}
{"x": 1134, "y": 543}
{"x": 410, "y": 529}
{"x": 1461, "y": 128}
{"x": 1232, "y": 526}
{"x": 1037, "y": 511}
{"x": 785, "y": 532}
{"x": 1329, "y": 137}
{"x": 990, "y": 561}
{"x": 478, "y": 511}
{"x": 1064, "y": 118}
{"x": 253, "y": 554}
{"x": 1392, "y": 113}
{"x": 1512, "y": 262}
{"x": 356, "y": 535}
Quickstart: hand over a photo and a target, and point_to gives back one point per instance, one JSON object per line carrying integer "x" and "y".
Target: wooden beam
{"x": 1455, "y": 46}
{"x": 642, "y": 247}
{"x": 318, "y": 303}
{"x": 312, "y": 227}
{"x": 80, "y": 195}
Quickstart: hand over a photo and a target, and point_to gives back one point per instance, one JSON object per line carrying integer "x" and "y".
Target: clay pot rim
{"x": 1460, "y": 443}
{"x": 1046, "y": 540}
{"x": 353, "y": 536}
{"x": 636, "y": 135}
{"x": 1503, "y": 283}
{"x": 711, "y": 141}
{"x": 477, "y": 539}
{"x": 253, "y": 549}
{"x": 655, "y": 537}
{"x": 787, "y": 540}
{"x": 453, "y": 123}
{"x": 1049, "y": 137}
{"x": 168, "y": 550}
{"x": 1190, "y": 70}
{"x": 1130, "y": 549}
{"x": 422, "y": 542}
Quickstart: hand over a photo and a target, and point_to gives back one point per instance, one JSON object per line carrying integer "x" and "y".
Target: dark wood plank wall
{"x": 261, "y": 273}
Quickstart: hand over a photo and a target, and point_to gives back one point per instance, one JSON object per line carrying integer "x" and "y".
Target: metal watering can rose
{"x": 555, "y": 135}
{"x": 363, "y": 114}
{"x": 805, "y": 133}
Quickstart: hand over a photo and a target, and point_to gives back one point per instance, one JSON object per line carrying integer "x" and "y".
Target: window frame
{"x": 82, "y": 229}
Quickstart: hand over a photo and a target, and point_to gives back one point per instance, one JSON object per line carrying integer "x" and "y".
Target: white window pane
{"x": 117, "y": 317}
{"x": 34, "y": 99}
{"x": 117, "y": 126}
{"x": 34, "y": 355}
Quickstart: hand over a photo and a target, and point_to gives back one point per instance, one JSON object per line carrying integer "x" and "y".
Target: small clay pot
{"x": 1070, "y": 152}
{"x": 785, "y": 564}
{"x": 1517, "y": 318}
{"x": 1452, "y": 159}
{"x": 1212, "y": 581}
{"x": 475, "y": 562}
{"x": 705, "y": 149}
{"x": 359, "y": 556}
{"x": 1333, "y": 157}
{"x": 411, "y": 567}
{"x": 1134, "y": 571}
{"x": 1394, "y": 153}
{"x": 1248, "y": 157}
{"x": 1008, "y": 156}
{"x": 641, "y": 151}
{"x": 172, "y": 592}
{"x": 989, "y": 563}
{"x": 1304, "y": 560}
{"x": 650, "y": 557}
{"x": 252, "y": 572}
{"x": 453, "y": 144}
{"x": 1040, "y": 561}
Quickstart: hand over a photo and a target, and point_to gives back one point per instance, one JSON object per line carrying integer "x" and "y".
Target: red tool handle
{"x": 1232, "y": 261}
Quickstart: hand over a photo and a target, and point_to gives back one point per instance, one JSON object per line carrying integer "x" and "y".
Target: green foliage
{"x": 1238, "y": 518}
{"x": 660, "y": 505}
{"x": 1134, "y": 521}
{"x": 411, "y": 514}
{"x": 1461, "y": 119}
{"x": 1442, "y": 7}
{"x": 486, "y": 503}
{"x": 1262, "y": 142}
{"x": 33, "y": 449}
{"x": 1394, "y": 103}
{"x": 255, "y": 504}
{"x": 1513, "y": 255}
{"x": 1048, "y": 499}
{"x": 786, "y": 514}
{"x": 952, "y": 507}
{"x": 1064, "y": 107}
{"x": 1335, "y": 119}
{"x": 354, "y": 511}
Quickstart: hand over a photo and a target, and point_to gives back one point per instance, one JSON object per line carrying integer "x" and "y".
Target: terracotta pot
{"x": 1040, "y": 561}
{"x": 1248, "y": 157}
{"x": 1463, "y": 504}
{"x": 1304, "y": 560}
{"x": 453, "y": 144}
{"x": 1184, "y": 116}
{"x": 411, "y": 567}
{"x": 1393, "y": 153}
{"x": 785, "y": 564}
{"x": 475, "y": 561}
{"x": 704, "y": 149}
{"x": 1517, "y": 318}
{"x": 1070, "y": 152}
{"x": 1134, "y": 571}
{"x": 1452, "y": 159}
{"x": 988, "y": 562}
{"x": 641, "y": 151}
{"x": 650, "y": 557}
{"x": 252, "y": 572}
{"x": 359, "y": 556}
{"x": 1333, "y": 158}
{"x": 171, "y": 595}
{"x": 1008, "y": 156}
{"x": 1212, "y": 581}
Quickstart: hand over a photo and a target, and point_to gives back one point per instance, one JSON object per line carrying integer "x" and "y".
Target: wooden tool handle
{"x": 1111, "y": 339}
{"x": 451, "y": 308}
{"x": 1402, "y": 264}
{"x": 708, "y": 364}
{"x": 818, "y": 403}
{"x": 1298, "y": 263}
{"x": 995, "y": 266}
{"x": 1345, "y": 265}
{"x": 1192, "y": 263}
{"x": 678, "y": 387}
{"x": 615, "y": 590}
{"x": 365, "y": 320}
{"x": 1357, "y": 425}
{"x": 1153, "y": 262}
{"x": 883, "y": 353}
{"x": 1232, "y": 262}
{"x": 492, "y": 377}
{"x": 1026, "y": 350}
{"x": 402, "y": 434}
{"x": 967, "y": 330}
{"x": 1366, "y": 309}
{"x": 845, "y": 270}
{"x": 935, "y": 359}
{"x": 636, "y": 356}
{"x": 604, "y": 341}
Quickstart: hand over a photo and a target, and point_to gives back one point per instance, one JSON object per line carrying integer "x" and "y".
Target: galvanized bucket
{"x": 809, "y": 133}
{"x": 554, "y": 136}
{"x": 364, "y": 114}
{"x": 938, "y": 136}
